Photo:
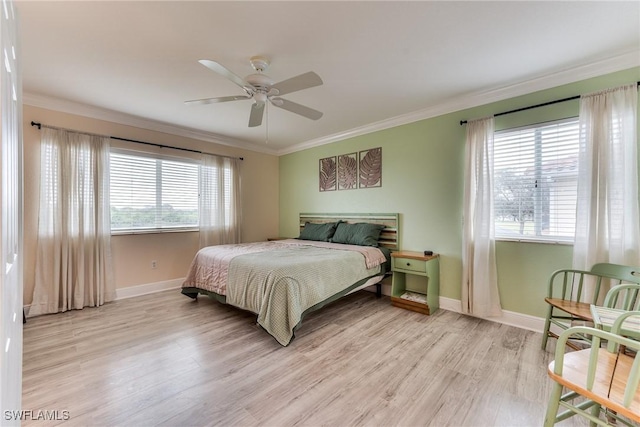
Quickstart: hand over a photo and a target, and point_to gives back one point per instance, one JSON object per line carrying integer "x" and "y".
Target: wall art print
{"x": 370, "y": 163}
{"x": 348, "y": 171}
{"x": 327, "y": 175}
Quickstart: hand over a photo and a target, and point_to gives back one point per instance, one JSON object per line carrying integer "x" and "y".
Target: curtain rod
{"x": 39, "y": 126}
{"x": 517, "y": 110}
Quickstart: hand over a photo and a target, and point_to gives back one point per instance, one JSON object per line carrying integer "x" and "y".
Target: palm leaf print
{"x": 371, "y": 168}
{"x": 347, "y": 172}
{"x": 328, "y": 174}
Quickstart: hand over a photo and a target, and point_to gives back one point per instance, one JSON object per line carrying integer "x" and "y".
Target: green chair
{"x": 596, "y": 378}
{"x": 624, "y": 297}
{"x": 569, "y": 300}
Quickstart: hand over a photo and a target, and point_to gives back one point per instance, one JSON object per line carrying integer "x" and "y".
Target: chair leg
{"x": 547, "y": 326}
{"x": 595, "y": 412}
{"x": 554, "y": 404}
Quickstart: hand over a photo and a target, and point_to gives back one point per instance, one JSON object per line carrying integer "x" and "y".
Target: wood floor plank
{"x": 165, "y": 360}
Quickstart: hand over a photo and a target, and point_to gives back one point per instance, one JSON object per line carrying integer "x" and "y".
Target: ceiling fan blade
{"x": 216, "y": 100}
{"x": 303, "y": 81}
{"x": 224, "y": 72}
{"x": 257, "y": 111}
{"x": 294, "y": 107}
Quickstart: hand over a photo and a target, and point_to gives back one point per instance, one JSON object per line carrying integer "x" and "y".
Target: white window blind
{"x": 149, "y": 193}
{"x": 535, "y": 182}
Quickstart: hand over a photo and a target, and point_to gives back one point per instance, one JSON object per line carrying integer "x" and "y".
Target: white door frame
{"x": 11, "y": 232}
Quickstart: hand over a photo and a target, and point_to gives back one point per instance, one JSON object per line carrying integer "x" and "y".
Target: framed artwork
{"x": 327, "y": 174}
{"x": 370, "y": 165}
{"x": 347, "y": 171}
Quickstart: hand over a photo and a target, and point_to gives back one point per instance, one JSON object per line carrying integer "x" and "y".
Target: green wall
{"x": 423, "y": 180}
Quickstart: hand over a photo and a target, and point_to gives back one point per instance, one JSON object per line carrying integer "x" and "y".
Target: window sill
{"x": 155, "y": 231}
{"x": 533, "y": 240}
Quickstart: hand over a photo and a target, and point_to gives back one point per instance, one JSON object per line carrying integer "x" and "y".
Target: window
{"x": 151, "y": 193}
{"x": 535, "y": 182}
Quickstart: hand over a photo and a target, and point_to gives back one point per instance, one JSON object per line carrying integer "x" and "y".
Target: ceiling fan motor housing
{"x": 259, "y": 81}
{"x": 259, "y": 63}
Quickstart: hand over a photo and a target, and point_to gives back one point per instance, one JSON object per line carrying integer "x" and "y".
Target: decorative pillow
{"x": 318, "y": 232}
{"x": 361, "y": 234}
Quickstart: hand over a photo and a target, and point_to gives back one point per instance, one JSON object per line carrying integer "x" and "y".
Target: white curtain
{"x": 220, "y": 214}
{"x": 607, "y": 221}
{"x": 73, "y": 264}
{"x": 480, "y": 295}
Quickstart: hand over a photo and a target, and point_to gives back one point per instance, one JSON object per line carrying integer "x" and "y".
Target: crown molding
{"x": 84, "y": 110}
{"x": 570, "y": 75}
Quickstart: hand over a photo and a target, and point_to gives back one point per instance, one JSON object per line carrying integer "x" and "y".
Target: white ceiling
{"x": 383, "y": 63}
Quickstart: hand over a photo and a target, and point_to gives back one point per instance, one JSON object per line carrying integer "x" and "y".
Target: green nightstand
{"x": 423, "y": 298}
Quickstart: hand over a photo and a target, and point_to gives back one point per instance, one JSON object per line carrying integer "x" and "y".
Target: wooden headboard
{"x": 389, "y": 238}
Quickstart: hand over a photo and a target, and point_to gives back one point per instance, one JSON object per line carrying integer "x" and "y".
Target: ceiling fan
{"x": 261, "y": 89}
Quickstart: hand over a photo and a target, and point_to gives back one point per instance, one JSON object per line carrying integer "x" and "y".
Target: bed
{"x": 283, "y": 280}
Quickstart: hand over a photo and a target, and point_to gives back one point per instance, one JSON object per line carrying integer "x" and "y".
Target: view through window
{"x": 535, "y": 181}
{"x": 150, "y": 193}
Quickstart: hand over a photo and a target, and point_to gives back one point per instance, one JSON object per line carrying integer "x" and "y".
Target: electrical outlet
{"x": 154, "y": 264}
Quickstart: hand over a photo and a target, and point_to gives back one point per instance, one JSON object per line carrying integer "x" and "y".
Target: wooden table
{"x": 605, "y": 317}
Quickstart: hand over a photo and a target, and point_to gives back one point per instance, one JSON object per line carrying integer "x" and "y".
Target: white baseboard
{"x": 138, "y": 290}
{"x": 450, "y": 304}
{"x": 511, "y": 318}
{"x": 148, "y": 288}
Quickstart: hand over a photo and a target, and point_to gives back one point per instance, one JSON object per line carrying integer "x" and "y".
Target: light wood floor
{"x": 164, "y": 359}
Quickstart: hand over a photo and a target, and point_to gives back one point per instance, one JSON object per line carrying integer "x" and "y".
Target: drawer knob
{"x": 408, "y": 263}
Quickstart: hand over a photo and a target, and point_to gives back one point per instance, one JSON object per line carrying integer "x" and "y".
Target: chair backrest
{"x": 620, "y": 273}
{"x": 624, "y": 297}
{"x": 584, "y": 286}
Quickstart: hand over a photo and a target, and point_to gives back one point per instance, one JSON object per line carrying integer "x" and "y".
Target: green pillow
{"x": 318, "y": 232}
{"x": 361, "y": 234}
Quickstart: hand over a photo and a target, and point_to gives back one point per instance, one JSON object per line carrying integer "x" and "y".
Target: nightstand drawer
{"x": 409, "y": 264}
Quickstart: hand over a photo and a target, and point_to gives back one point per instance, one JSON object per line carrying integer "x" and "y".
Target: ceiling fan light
{"x": 260, "y": 98}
